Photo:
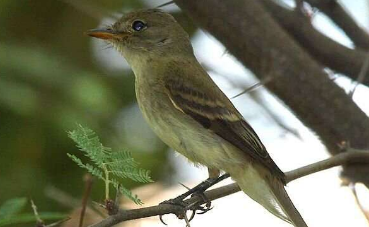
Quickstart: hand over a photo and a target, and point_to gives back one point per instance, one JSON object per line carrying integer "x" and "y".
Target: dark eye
{"x": 138, "y": 25}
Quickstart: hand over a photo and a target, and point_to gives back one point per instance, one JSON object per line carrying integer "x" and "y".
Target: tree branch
{"x": 345, "y": 21}
{"x": 328, "y": 52}
{"x": 349, "y": 157}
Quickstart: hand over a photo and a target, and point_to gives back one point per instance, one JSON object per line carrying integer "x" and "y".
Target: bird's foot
{"x": 179, "y": 201}
{"x": 198, "y": 189}
{"x": 199, "y": 206}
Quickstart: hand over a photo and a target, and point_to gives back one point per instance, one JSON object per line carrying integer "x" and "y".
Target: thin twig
{"x": 361, "y": 76}
{"x": 165, "y": 4}
{"x": 253, "y": 87}
{"x": 58, "y": 222}
{"x": 349, "y": 157}
{"x": 39, "y": 221}
{"x": 344, "y": 20}
{"x": 88, "y": 179}
{"x": 269, "y": 112}
{"x": 337, "y": 160}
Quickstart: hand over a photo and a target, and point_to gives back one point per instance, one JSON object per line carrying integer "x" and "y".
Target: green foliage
{"x": 107, "y": 165}
{"x": 12, "y": 207}
{"x": 10, "y": 213}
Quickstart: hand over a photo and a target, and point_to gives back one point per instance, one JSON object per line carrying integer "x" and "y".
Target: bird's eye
{"x": 138, "y": 25}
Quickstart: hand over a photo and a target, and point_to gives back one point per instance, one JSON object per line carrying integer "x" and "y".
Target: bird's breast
{"x": 180, "y": 131}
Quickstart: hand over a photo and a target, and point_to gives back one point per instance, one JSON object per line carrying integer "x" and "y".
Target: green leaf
{"x": 94, "y": 171}
{"x": 26, "y": 218}
{"x": 139, "y": 175}
{"x": 109, "y": 166}
{"x": 122, "y": 158}
{"x": 89, "y": 143}
{"x": 126, "y": 192}
{"x": 12, "y": 207}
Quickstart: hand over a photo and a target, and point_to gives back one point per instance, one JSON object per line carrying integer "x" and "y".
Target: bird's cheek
{"x": 121, "y": 39}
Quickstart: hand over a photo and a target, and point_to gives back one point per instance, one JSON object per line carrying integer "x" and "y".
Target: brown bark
{"x": 339, "y": 15}
{"x": 251, "y": 34}
{"x": 325, "y": 50}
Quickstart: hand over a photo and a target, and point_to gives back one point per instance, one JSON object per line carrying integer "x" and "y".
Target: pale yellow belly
{"x": 186, "y": 136}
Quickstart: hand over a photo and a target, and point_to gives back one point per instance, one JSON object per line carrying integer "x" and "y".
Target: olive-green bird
{"x": 187, "y": 110}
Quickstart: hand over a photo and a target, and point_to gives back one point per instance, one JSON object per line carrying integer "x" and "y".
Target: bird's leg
{"x": 199, "y": 189}
{"x": 214, "y": 177}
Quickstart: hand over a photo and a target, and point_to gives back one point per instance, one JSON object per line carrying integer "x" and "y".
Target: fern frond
{"x": 91, "y": 169}
{"x": 126, "y": 192}
{"x": 121, "y": 155}
{"x": 108, "y": 166}
{"x": 89, "y": 143}
{"x": 136, "y": 174}
{"x": 117, "y": 165}
{"x": 122, "y": 158}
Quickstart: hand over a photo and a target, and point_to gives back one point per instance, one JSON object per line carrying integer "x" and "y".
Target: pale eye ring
{"x": 138, "y": 25}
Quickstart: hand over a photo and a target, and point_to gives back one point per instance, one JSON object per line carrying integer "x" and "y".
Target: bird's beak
{"x": 103, "y": 33}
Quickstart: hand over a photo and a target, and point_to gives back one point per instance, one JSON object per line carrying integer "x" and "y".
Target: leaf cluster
{"x": 109, "y": 166}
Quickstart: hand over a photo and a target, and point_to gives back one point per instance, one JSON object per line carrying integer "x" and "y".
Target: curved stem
{"x": 107, "y": 182}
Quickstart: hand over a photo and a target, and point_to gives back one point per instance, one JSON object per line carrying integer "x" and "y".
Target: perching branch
{"x": 344, "y": 20}
{"x": 324, "y": 49}
{"x": 349, "y": 157}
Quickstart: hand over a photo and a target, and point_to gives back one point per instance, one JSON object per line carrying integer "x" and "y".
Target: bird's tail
{"x": 268, "y": 192}
{"x": 286, "y": 204}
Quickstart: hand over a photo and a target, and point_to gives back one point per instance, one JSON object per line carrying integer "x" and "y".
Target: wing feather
{"x": 221, "y": 117}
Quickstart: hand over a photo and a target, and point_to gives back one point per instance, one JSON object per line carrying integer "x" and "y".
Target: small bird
{"x": 187, "y": 110}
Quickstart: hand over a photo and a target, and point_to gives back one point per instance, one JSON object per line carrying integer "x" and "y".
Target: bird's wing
{"x": 220, "y": 116}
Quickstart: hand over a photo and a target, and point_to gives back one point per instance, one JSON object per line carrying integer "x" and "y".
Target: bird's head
{"x": 146, "y": 31}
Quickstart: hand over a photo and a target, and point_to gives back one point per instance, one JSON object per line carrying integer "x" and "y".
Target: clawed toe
{"x": 203, "y": 206}
{"x": 176, "y": 202}
{"x": 197, "y": 207}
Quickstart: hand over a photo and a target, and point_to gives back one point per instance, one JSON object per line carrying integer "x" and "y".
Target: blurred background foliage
{"x": 50, "y": 80}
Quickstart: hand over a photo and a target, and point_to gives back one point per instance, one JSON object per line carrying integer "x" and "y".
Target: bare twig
{"x": 327, "y": 51}
{"x": 88, "y": 179}
{"x": 361, "y": 76}
{"x": 253, "y": 87}
{"x": 349, "y": 157}
{"x": 165, "y": 4}
{"x": 268, "y": 110}
{"x": 39, "y": 221}
{"x": 58, "y": 222}
{"x": 344, "y": 20}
